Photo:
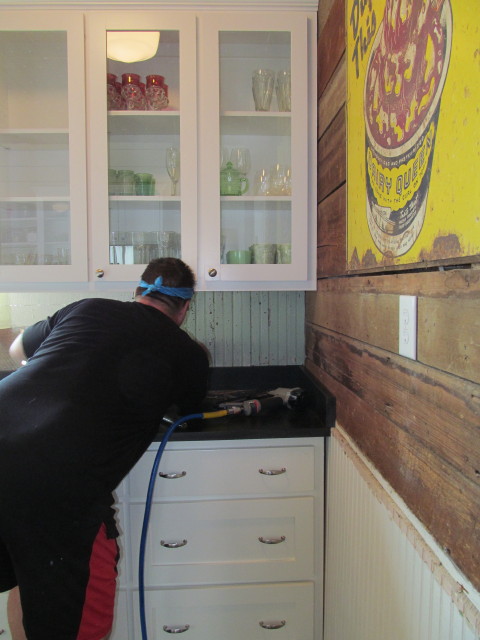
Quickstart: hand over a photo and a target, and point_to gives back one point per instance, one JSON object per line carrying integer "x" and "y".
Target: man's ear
{"x": 182, "y": 312}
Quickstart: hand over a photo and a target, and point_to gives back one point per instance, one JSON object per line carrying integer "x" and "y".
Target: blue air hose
{"x": 148, "y": 506}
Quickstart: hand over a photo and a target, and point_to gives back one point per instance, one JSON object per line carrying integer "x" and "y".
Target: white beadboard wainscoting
{"x": 386, "y": 579}
{"x": 239, "y": 328}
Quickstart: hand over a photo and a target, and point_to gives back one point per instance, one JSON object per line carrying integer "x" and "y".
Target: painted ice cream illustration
{"x": 404, "y": 81}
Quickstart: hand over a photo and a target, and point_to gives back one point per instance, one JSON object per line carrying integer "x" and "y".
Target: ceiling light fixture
{"x": 132, "y": 46}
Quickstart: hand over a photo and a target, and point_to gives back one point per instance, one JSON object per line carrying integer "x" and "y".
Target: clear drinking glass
{"x": 262, "y": 87}
{"x": 240, "y": 158}
{"x": 280, "y": 180}
{"x": 283, "y": 90}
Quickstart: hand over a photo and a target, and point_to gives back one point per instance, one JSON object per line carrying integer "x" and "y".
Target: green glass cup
{"x": 239, "y": 257}
{"x": 144, "y": 184}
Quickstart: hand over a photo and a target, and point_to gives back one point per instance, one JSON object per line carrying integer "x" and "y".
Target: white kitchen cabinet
{"x": 235, "y": 612}
{"x": 129, "y": 229}
{"x": 207, "y": 60}
{"x": 43, "y": 227}
{"x": 273, "y": 220}
{"x": 235, "y": 541}
{"x": 66, "y": 169}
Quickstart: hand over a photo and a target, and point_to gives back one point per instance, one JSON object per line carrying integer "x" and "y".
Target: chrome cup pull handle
{"x": 173, "y": 544}
{"x": 173, "y": 475}
{"x": 274, "y": 624}
{"x": 176, "y": 629}
{"x": 272, "y": 540}
{"x": 272, "y": 472}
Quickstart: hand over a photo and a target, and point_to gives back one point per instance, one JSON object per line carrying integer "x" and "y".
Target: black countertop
{"x": 316, "y": 419}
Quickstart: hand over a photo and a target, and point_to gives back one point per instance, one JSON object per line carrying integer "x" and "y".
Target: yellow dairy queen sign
{"x": 413, "y": 132}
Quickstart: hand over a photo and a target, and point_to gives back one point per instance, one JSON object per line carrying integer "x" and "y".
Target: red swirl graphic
{"x": 405, "y": 70}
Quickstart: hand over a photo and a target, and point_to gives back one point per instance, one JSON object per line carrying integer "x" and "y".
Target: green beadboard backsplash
{"x": 239, "y": 328}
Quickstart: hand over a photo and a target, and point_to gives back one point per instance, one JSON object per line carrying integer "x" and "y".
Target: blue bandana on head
{"x": 177, "y": 292}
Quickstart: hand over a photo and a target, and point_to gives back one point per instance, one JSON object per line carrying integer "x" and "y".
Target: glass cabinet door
{"x": 42, "y": 148}
{"x": 258, "y": 157}
{"x": 143, "y": 141}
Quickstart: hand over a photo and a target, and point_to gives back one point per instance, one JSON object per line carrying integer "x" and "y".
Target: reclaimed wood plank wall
{"x": 417, "y": 421}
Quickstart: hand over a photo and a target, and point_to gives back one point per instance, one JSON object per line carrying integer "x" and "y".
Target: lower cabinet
{"x": 235, "y": 542}
{"x": 4, "y": 629}
{"x": 227, "y": 612}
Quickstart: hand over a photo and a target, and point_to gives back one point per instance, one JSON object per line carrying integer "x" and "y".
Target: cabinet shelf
{"x": 258, "y": 123}
{"x": 254, "y": 199}
{"x": 257, "y": 114}
{"x": 33, "y": 199}
{"x": 143, "y": 122}
{"x": 28, "y": 138}
{"x": 144, "y": 199}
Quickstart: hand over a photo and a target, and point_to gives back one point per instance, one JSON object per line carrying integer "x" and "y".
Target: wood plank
{"x": 331, "y": 44}
{"x": 457, "y": 283}
{"x": 333, "y": 98}
{"x": 366, "y": 309}
{"x": 331, "y": 232}
{"x": 332, "y": 157}
{"x": 324, "y": 8}
{"x": 445, "y": 342}
{"x": 367, "y": 317}
{"x": 439, "y": 410}
{"x": 419, "y": 427}
{"x": 468, "y": 261}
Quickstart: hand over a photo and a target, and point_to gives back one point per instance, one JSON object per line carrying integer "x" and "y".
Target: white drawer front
{"x": 219, "y": 472}
{"x": 222, "y": 541}
{"x": 230, "y": 613}
{"x": 120, "y": 621}
{"x": 4, "y": 628}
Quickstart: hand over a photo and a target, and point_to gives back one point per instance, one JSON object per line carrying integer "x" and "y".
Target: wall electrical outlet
{"x": 407, "y": 327}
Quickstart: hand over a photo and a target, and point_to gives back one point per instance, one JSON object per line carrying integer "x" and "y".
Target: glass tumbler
{"x": 114, "y": 99}
{"x": 132, "y": 93}
{"x": 262, "y": 88}
{"x": 283, "y": 90}
{"x": 125, "y": 183}
{"x": 155, "y": 93}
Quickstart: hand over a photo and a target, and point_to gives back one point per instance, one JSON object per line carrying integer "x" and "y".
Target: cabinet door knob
{"x": 274, "y": 624}
{"x": 212, "y": 272}
{"x": 173, "y": 475}
{"x": 99, "y": 273}
{"x": 176, "y": 629}
{"x": 272, "y": 540}
{"x": 272, "y": 472}
{"x": 174, "y": 544}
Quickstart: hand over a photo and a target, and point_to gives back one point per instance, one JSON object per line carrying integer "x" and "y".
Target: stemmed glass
{"x": 173, "y": 167}
{"x": 240, "y": 158}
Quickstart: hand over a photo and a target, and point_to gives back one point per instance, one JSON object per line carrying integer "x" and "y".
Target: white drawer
{"x": 230, "y": 613}
{"x": 4, "y": 628}
{"x": 120, "y": 621}
{"x": 220, "y": 472}
{"x": 222, "y": 541}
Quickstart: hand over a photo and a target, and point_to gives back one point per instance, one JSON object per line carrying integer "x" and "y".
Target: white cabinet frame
{"x": 72, "y": 24}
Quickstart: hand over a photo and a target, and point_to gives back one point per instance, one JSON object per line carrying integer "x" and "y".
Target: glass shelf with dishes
{"x": 255, "y": 139}
{"x": 143, "y": 102}
{"x": 260, "y": 115}
{"x": 146, "y": 116}
{"x": 35, "y": 231}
